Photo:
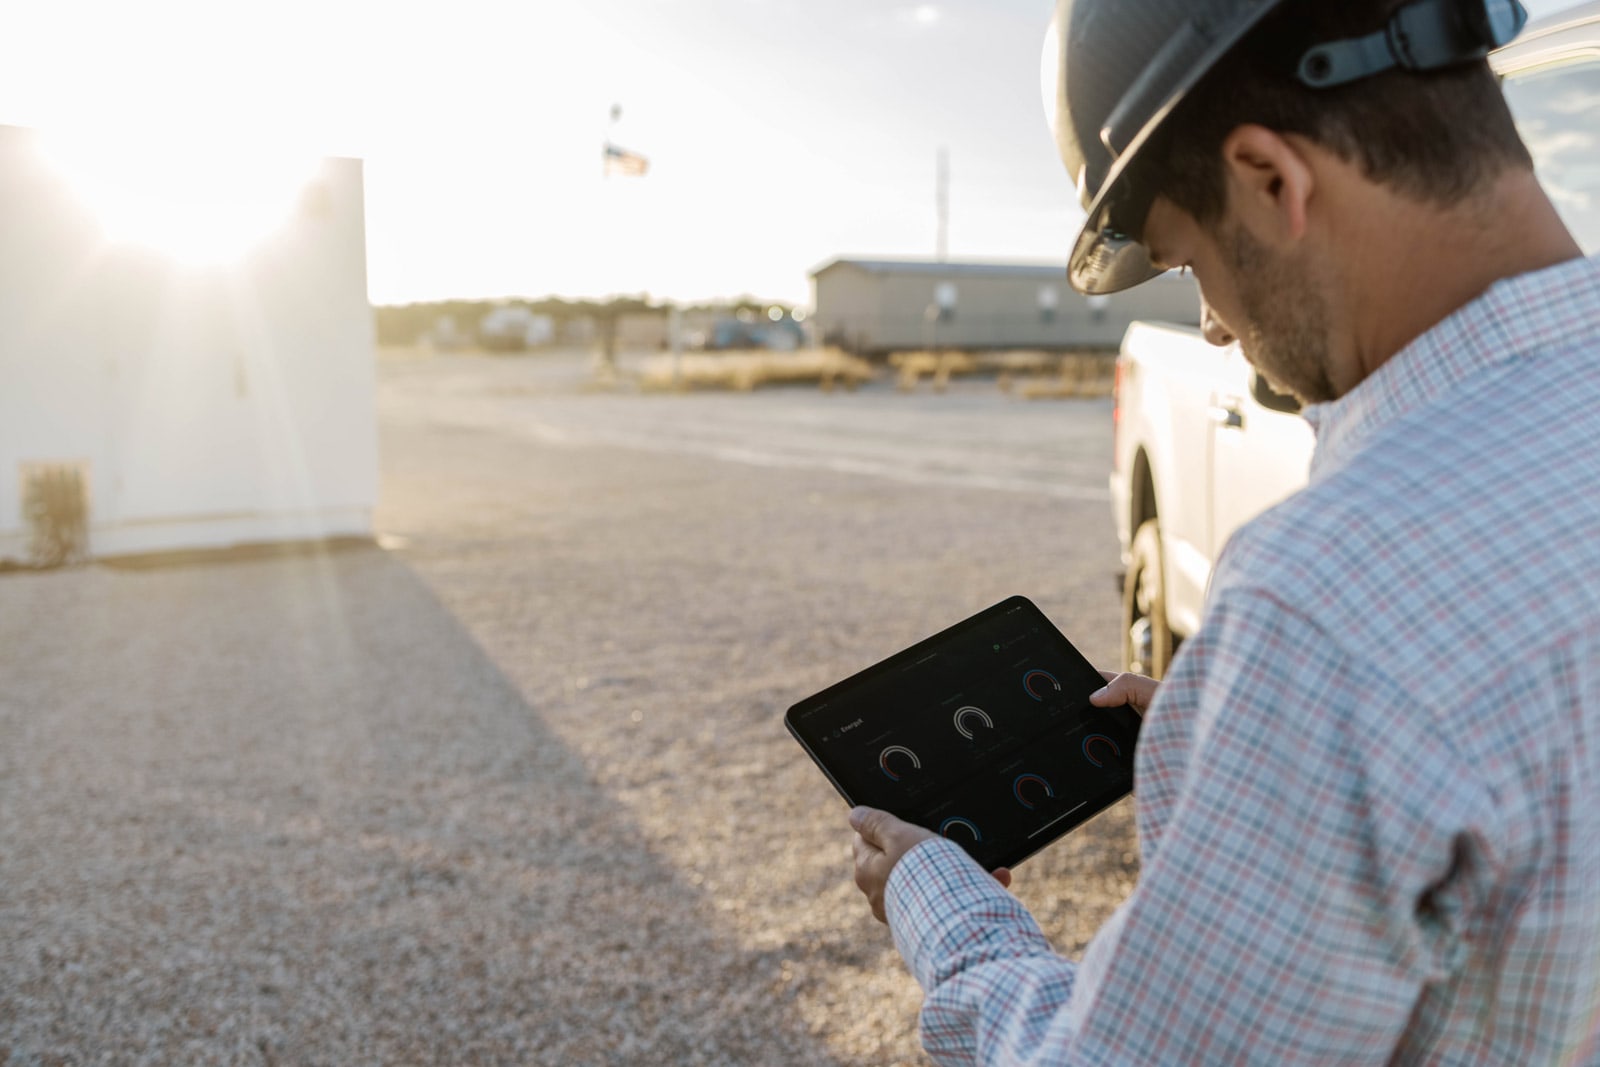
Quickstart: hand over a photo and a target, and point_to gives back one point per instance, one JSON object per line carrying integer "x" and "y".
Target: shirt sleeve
{"x": 1311, "y": 865}
{"x": 991, "y": 979}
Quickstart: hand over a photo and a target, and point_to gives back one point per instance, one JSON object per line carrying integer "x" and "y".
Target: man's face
{"x": 1268, "y": 300}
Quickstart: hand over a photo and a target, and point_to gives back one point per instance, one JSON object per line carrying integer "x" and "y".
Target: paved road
{"x": 974, "y": 436}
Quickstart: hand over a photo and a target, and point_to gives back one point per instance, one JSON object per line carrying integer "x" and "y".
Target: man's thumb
{"x": 868, "y": 822}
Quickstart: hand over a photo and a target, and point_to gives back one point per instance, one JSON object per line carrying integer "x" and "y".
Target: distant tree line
{"x": 404, "y": 324}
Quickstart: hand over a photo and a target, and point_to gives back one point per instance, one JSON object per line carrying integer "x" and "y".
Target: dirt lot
{"x": 516, "y": 789}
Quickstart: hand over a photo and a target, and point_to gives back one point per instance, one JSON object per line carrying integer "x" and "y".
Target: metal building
{"x": 872, "y": 306}
{"x": 150, "y": 403}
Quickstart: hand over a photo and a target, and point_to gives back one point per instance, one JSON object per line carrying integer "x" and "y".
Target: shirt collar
{"x": 1512, "y": 318}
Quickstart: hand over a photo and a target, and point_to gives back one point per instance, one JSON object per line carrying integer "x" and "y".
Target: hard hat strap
{"x": 1425, "y": 35}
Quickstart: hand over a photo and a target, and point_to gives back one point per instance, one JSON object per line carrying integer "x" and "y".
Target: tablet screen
{"x": 983, "y": 733}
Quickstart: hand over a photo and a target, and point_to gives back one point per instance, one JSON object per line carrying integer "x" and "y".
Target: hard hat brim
{"x": 1104, "y": 259}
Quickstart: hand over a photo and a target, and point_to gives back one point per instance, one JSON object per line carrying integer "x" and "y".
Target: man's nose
{"x": 1214, "y": 329}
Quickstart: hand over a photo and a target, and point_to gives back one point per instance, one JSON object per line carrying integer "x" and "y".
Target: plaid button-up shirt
{"x": 1369, "y": 791}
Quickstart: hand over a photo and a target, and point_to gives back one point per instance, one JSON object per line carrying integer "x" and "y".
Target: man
{"x": 1369, "y": 789}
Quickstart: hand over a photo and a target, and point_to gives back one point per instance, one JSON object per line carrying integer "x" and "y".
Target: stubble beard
{"x": 1285, "y": 332}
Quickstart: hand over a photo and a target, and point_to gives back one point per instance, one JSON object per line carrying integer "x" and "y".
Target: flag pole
{"x": 605, "y": 144}
{"x": 605, "y": 354}
{"x": 941, "y": 197}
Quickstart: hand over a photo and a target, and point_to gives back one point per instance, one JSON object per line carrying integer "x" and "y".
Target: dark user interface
{"x": 985, "y": 735}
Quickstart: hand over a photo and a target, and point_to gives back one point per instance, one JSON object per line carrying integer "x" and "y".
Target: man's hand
{"x": 1134, "y": 690}
{"x": 881, "y": 839}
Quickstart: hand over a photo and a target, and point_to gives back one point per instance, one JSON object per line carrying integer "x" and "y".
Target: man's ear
{"x": 1269, "y": 182}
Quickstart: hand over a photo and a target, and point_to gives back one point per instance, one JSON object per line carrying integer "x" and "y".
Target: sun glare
{"x": 202, "y": 203}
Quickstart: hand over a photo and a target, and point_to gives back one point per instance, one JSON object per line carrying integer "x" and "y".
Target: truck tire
{"x": 1146, "y": 634}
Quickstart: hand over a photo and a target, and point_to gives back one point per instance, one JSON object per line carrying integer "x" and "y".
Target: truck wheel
{"x": 1146, "y": 636}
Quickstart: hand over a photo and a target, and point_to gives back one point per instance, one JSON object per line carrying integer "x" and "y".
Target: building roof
{"x": 949, "y": 268}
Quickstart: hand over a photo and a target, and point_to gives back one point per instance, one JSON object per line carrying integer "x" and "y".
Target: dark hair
{"x": 1437, "y": 136}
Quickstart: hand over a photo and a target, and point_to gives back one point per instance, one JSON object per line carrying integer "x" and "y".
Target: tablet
{"x": 983, "y": 733}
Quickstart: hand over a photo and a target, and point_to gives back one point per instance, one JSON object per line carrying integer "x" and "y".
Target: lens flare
{"x": 199, "y": 201}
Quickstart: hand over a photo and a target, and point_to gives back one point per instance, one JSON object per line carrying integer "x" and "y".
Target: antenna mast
{"x": 942, "y": 199}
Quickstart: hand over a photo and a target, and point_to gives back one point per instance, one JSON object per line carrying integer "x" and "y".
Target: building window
{"x": 1049, "y": 301}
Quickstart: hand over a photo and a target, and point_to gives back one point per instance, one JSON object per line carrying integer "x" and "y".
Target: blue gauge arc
{"x": 1103, "y": 740}
{"x": 1027, "y": 781}
{"x": 1040, "y": 684}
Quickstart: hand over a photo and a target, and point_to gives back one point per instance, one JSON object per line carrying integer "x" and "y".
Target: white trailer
{"x": 174, "y": 404}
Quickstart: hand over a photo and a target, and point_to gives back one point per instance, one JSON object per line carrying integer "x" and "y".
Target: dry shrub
{"x": 1045, "y": 375}
{"x": 55, "y": 508}
{"x": 1079, "y": 374}
{"x": 743, "y": 371}
{"x": 939, "y": 366}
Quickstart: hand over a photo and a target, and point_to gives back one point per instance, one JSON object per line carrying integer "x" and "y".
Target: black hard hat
{"x": 1122, "y": 66}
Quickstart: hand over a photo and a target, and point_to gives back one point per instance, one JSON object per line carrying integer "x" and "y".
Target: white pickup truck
{"x": 1203, "y": 445}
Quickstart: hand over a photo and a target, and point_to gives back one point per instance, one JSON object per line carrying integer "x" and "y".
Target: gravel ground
{"x": 514, "y": 791}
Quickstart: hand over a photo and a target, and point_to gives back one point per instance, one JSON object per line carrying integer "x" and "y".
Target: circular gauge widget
{"x": 969, "y": 717}
{"x": 898, "y": 755}
{"x": 1031, "y": 784}
{"x": 1040, "y": 684}
{"x": 960, "y": 826}
{"x": 1100, "y": 743}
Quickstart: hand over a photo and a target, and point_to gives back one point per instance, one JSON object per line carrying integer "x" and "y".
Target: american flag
{"x": 622, "y": 162}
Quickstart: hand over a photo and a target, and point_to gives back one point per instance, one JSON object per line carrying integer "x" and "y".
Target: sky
{"x": 780, "y": 133}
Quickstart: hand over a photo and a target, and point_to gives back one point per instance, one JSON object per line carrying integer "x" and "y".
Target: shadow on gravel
{"x": 288, "y": 811}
